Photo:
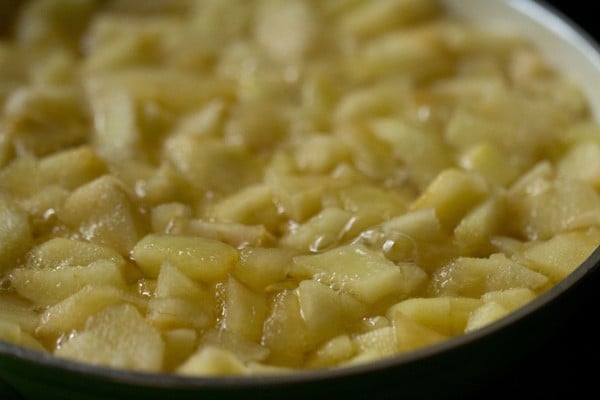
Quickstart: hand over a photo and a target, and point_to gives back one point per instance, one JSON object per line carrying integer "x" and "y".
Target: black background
{"x": 566, "y": 364}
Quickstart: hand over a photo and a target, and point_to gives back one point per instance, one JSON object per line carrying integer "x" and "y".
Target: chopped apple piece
{"x": 102, "y": 211}
{"x": 332, "y": 352}
{"x": 411, "y": 335}
{"x": 472, "y": 277}
{"x": 452, "y": 194}
{"x": 321, "y": 309}
{"x": 60, "y": 252}
{"x": 364, "y": 273}
{"x": 446, "y": 315}
{"x": 212, "y": 361}
{"x": 48, "y": 286}
{"x": 72, "y": 312}
{"x": 243, "y": 310}
{"x": 179, "y": 344}
{"x": 284, "y": 331}
{"x": 560, "y": 255}
{"x": 199, "y": 258}
{"x": 117, "y": 337}
{"x": 485, "y": 314}
{"x": 261, "y": 266}
{"x": 15, "y": 233}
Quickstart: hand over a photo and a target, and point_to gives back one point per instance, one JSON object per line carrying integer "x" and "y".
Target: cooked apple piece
{"x": 581, "y": 161}
{"x": 361, "y": 272}
{"x": 10, "y": 331}
{"x": 166, "y": 313}
{"x": 333, "y": 352}
{"x": 235, "y": 234}
{"x": 247, "y": 351}
{"x": 200, "y": 258}
{"x": 22, "y": 312}
{"x": 511, "y": 299}
{"x": 445, "y": 315}
{"x": 319, "y": 153}
{"x": 472, "y": 276}
{"x": 491, "y": 162}
{"x": 195, "y": 158}
{"x": 414, "y": 146}
{"x": 372, "y": 199}
{"x": 102, "y": 211}
{"x": 163, "y": 215}
{"x": 411, "y": 335}
{"x": 562, "y": 254}
{"x": 71, "y": 168}
{"x": 370, "y": 155}
{"x": 72, "y": 312}
{"x": 179, "y": 302}
{"x": 416, "y": 236}
{"x": 243, "y": 310}
{"x": 49, "y": 286}
{"x": 59, "y": 252}
{"x": 417, "y": 54}
{"x": 20, "y": 177}
{"x": 452, "y": 193}
{"x": 284, "y": 331}
{"x": 544, "y": 206}
{"x": 15, "y": 233}
{"x": 261, "y": 266}
{"x": 179, "y": 344}
{"x": 474, "y": 231}
{"x": 485, "y": 314}
{"x": 212, "y": 361}
{"x": 252, "y": 205}
{"x": 321, "y": 309}
{"x": 147, "y": 84}
{"x": 297, "y": 197}
{"x": 116, "y": 337}
{"x": 380, "y": 341}
{"x": 369, "y": 19}
{"x": 42, "y": 119}
{"x": 320, "y": 232}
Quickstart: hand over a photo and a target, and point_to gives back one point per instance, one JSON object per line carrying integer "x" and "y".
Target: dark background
{"x": 566, "y": 364}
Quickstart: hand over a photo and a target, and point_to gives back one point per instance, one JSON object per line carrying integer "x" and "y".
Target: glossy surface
{"x": 524, "y": 337}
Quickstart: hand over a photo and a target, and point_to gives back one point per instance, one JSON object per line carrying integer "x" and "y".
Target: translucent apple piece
{"x": 118, "y": 337}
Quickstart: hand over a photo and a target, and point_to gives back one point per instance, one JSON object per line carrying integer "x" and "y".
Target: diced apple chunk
{"x": 452, "y": 193}
{"x": 320, "y": 232}
{"x": 199, "y": 258}
{"x": 48, "y": 286}
{"x": 212, "y": 360}
{"x": 15, "y": 233}
{"x": 58, "y": 252}
{"x": 472, "y": 277}
{"x": 116, "y": 337}
{"x": 284, "y": 331}
{"x": 332, "y": 352}
{"x": 560, "y": 255}
{"x": 485, "y": 315}
{"x": 247, "y": 351}
{"x": 261, "y": 266}
{"x": 411, "y": 335}
{"x": 179, "y": 344}
{"x": 380, "y": 341}
{"x": 244, "y": 310}
{"x": 364, "y": 273}
{"x": 446, "y": 315}
{"x": 72, "y": 312}
{"x": 103, "y": 212}
{"x": 321, "y": 309}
